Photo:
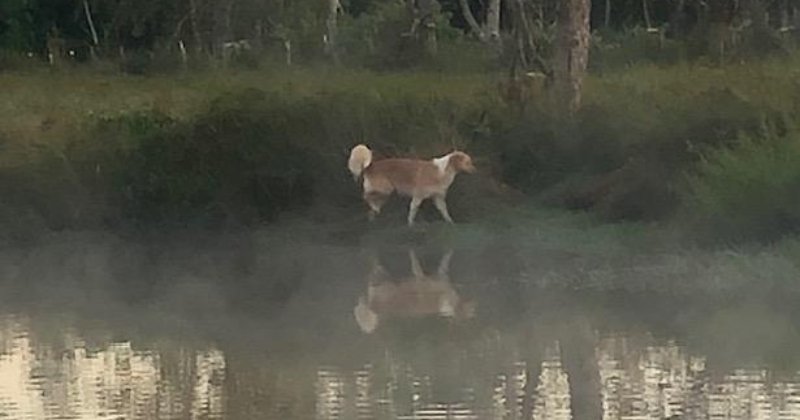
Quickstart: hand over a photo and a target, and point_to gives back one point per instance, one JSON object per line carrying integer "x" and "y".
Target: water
{"x": 271, "y": 327}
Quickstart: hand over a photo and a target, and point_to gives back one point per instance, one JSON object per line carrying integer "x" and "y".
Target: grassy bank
{"x": 92, "y": 149}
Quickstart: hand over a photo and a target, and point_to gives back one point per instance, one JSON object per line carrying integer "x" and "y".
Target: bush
{"x": 627, "y": 148}
{"x": 250, "y": 155}
{"x": 749, "y": 190}
{"x": 228, "y": 162}
{"x": 39, "y": 190}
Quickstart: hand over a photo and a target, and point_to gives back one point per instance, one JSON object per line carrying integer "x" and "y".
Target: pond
{"x": 271, "y": 326}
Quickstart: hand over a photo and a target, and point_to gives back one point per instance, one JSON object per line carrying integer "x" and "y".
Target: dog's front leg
{"x": 441, "y": 205}
{"x": 412, "y": 210}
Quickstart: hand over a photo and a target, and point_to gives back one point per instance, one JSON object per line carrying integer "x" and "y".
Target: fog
{"x": 299, "y": 320}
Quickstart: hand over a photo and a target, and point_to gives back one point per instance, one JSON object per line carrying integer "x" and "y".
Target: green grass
{"x": 770, "y": 83}
{"x": 64, "y": 99}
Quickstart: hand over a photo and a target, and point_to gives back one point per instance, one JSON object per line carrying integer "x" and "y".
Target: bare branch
{"x": 470, "y": 18}
{"x": 88, "y": 12}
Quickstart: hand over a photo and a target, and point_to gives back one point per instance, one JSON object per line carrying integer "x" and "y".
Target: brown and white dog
{"x": 414, "y": 178}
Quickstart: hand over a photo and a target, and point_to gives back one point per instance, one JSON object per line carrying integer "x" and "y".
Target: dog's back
{"x": 409, "y": 177}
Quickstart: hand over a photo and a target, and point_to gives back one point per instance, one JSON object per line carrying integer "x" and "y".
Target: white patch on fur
{"x": 441, "y": 163}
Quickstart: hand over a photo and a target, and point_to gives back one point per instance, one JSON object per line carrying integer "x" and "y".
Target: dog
{"x": 414, "y": 178}
{"x": 421, "y": 295}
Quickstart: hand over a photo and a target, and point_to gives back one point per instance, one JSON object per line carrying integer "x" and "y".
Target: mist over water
{"x": 279, "y": 323}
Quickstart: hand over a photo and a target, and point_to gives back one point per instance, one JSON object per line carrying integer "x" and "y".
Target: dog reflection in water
{"x": 420, "y": 295}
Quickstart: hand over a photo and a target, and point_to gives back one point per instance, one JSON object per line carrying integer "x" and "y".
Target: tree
{"x": 572, "y": 52}
{"x": 331, "y": 47}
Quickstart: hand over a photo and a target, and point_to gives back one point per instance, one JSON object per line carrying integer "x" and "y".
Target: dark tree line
{"x": 111, "y": 27}
{"x": 549, "y": 38}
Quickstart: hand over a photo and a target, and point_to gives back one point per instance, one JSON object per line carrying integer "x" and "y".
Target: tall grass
{"x": 85, "y": 146}
{"x": 625, "y": 151}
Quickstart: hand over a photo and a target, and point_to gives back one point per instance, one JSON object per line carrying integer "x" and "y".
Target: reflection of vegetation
{"x": 594, "y": 293}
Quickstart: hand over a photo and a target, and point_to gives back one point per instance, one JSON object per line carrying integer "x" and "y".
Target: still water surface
{"x": 238, "y": 328}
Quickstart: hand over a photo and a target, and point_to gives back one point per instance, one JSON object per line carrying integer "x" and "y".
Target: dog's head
{"x": 461, "y": 162}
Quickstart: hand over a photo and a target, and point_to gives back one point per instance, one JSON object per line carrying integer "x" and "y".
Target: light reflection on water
{"x": 117, "y": 381}
{"x": 639, "y": 381}
{"x": 417, "y": 351}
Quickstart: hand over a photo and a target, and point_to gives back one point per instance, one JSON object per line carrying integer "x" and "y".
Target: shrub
{"x": 39, "y": 189}
{"x": 250, "y": 155}
{"x": 227, "y": 162}
{"x": 626, "y": 149}
{"x": 748, "y": 190}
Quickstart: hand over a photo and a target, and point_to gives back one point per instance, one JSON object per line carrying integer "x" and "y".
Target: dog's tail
{"x": 360, "y": 159}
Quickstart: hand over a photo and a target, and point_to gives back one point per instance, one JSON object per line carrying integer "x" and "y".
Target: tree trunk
{"x": 785, "y": 15}
{"x": 526, "y": 55}
{"x": 90, "y": 20}
{"x": 493, "y": 21}
{"x": 258, "y": 36}
{"x": 678, "y": 20}
{"x": 184, "y": 56}
{"x": 607, "y": 17}
{"x": 334, "y": 7}
{"x": 490, "y": 31}
{"x": 719, "y": 17}
{"x": 572, "y": 52}
{"x": 193, "y": 16}
{"x": 646, "y": 13}
{"x": 470, "y": 18}
{"x": 428, "y": 11}
{"x": 222, "y": 26}
{"x": 55, "y": 46}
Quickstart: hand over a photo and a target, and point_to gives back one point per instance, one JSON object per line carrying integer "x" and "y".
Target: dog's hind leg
{"x": 441, "y": 205}
{"x": 375, "y": 201}
{"x": 412, "y": 210}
